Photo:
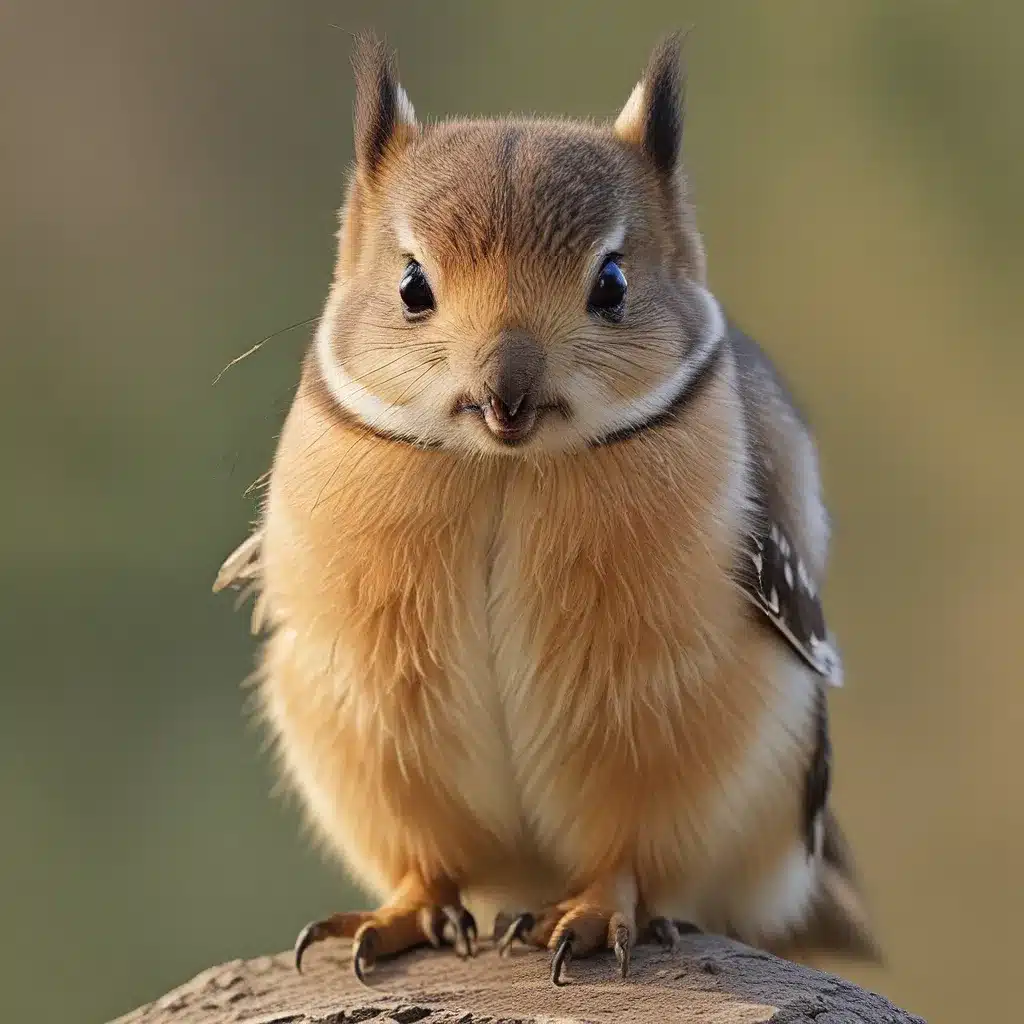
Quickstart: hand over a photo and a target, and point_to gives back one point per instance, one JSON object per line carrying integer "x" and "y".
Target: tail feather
{"x": 838, "y": 924}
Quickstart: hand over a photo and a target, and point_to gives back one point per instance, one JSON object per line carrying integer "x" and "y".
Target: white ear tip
{"x": 406, "y": 113}
{"x": 630, "y": 115}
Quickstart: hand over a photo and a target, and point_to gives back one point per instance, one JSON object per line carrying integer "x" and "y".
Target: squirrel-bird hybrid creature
{"x": 540, "y": 557}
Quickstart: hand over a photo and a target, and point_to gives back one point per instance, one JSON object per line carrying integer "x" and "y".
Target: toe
{"x": 460, "y": 930}
{"x": 313, "y": 932}
{"x": 364, "y": 951}
{"x": 337, "y": 926}
{"x": 665, "y": 932}
{"x": 519, "y": 928}
{"x": 622, "y": 944}
{"x": 562, "y": 956}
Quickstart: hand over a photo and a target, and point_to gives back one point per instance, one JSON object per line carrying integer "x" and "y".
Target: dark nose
{"x": 511, "y": 374}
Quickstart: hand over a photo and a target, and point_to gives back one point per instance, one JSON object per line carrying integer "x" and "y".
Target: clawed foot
{"x": 571, "y": 929}
{"x": 508, "y": 930}
{"x": 668, "y": 932}
{"x": 583, "y": 930}
{"x": 391, "y": 931}
{"x": 575, "y": 928}
{"x": 579, "y": 929}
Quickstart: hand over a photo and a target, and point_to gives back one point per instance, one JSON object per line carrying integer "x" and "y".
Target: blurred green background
{"x": 169, "y": 183}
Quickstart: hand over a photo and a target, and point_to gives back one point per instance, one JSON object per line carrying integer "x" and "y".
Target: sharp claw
{"x": 463, "y": 925}
{"x": 313, "y": 932}
{"x": 516, "y": 930}
{"x": 363, "y": 954}
{"x": 563, "y": 954}
{"x": 665, "y": 932}
{"x": 622, "y": 950}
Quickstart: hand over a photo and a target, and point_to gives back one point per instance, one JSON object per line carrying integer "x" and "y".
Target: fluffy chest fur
{"x": 492, "y": 664}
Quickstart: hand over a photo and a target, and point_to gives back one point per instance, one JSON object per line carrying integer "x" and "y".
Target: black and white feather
{"x": 818, "y": 780}
{"x": 783, "y": 548}
{"x": 778, "y": 582}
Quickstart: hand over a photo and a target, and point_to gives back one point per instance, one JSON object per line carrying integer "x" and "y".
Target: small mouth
{"x": 509, "y": 431}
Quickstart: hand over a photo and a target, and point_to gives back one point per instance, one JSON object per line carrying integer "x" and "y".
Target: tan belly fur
{"x": 503, "y": 671}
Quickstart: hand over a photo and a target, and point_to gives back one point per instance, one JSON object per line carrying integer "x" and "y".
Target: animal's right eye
{"x": 414, "y": 288}
{"x": 608, "y": 295}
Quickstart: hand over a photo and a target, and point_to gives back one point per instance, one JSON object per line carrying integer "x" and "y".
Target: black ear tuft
{"x": 663, "y": 132}
{"x": 383, "y": 114}
{"x": 653, "y": 116}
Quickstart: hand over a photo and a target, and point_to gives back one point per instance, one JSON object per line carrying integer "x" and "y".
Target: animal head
{"x": 516, "y": 285}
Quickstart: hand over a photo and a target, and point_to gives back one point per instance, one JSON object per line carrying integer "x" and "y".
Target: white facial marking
{"x": 355, "y": 397}
{"x": 612, "y": 242}
{"x": 433, "y": 424}
{"x": 406, "y": 239}
{"x": 657, "y": 401}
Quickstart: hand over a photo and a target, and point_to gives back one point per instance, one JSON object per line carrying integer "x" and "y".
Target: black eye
{"x": 415, "y": 290}
{"x": 608, "y": 295}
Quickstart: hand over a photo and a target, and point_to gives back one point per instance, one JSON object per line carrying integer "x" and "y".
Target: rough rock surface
{"x": 707, "y": 980}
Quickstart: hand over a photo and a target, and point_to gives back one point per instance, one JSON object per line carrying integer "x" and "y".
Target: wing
{"x": 242, "y": 571}
{"x": 781, "y": 551}
{"x": 775, "y": 579}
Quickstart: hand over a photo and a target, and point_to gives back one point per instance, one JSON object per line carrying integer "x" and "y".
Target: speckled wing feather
{"x": 776, "y": 580}
{"x": 773, "y": 571}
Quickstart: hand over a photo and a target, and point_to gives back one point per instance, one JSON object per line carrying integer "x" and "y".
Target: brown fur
{"x": 528, "y": 674}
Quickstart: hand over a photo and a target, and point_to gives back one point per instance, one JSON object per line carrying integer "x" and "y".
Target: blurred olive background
{"x": 169, "y": 181}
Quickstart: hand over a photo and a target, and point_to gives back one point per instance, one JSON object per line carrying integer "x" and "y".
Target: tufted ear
{"x": 384, "y": 117}
{"x": 653, "y": 115}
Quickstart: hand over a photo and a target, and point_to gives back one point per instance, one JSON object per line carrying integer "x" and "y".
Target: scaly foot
{"x": 393, "y": 929}
{"x": 599, "y": 919}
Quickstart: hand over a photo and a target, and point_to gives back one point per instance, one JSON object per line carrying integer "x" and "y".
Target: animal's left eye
{"x": 414, "y": 289}
{"x": 608, "y": 296}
